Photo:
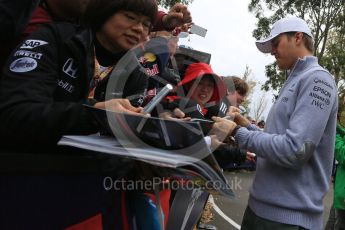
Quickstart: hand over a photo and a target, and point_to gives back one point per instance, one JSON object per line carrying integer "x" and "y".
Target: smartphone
{"x": 195, "y": 29}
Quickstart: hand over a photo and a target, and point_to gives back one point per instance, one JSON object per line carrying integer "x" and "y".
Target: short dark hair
{"x": 236, "y": 83}
{"x": 209, "y": 77}
{"x": 262, "y": 122}
{"x": 99, "y": 11}
{"x": 307, "y": 40}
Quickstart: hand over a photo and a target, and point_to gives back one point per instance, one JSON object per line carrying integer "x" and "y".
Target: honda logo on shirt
{"x": 69, "y": 68}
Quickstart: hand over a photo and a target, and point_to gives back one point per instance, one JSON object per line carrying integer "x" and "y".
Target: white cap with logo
{"x": 289, "y": 24}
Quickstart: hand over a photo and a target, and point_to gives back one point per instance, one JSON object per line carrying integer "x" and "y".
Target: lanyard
{"x": 99, "y": 74}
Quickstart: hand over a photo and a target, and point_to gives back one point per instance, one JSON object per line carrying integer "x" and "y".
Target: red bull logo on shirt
{"x": 148, "y": 61}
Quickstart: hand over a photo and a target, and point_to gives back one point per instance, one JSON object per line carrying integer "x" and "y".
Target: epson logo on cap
{"x": 30, "y": 44}
{"x": 23, "y": 65}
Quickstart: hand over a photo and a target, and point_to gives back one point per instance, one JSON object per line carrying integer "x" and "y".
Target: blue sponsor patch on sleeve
{"x": 22, "y": 65}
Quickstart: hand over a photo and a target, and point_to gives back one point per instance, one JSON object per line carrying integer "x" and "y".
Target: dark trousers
{"x": 331, "y": 219}
{"x": 253, "y": 222}
{"x": 340, "y": 219}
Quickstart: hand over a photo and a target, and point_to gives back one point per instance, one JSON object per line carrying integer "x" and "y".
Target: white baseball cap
{"x": 289, "y": 24}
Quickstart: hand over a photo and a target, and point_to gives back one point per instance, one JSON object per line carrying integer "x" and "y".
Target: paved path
{"x": 233, "y": 209}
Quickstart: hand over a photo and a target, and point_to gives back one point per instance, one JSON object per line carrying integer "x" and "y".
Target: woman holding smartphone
{"x": 44, "y": 85}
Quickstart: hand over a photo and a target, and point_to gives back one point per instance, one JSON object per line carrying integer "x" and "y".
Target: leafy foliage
{"x": 170, "y": 3}
{"x": 334, "y": 59}
{"x": 326, "y": 19}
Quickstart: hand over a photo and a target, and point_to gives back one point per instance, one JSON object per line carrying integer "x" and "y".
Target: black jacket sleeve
{"x": 30, "y": 112}
{"x": 229, "y": 154}
{"x": 219, "y": 110}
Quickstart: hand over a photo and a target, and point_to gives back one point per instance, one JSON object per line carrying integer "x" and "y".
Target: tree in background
{"x": 326, "y": 19}
{"x": 255, "y": 106}
{"x": 170, "y": 3}
{"x": 251, "y": 83}
{"x": 334, "y": 60}
{"x": 259, "y": 107}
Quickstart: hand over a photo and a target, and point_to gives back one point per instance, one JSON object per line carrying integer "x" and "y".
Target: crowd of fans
{"x": 61, "y": 54}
